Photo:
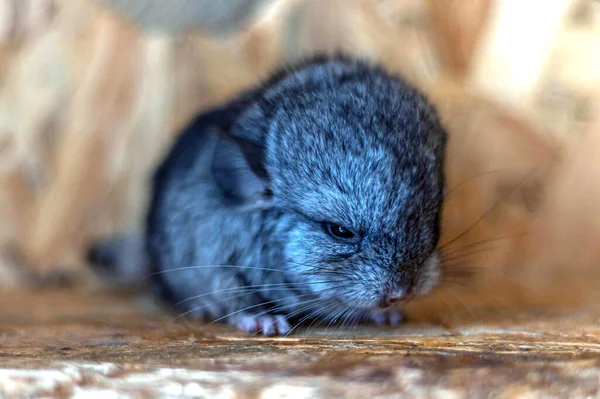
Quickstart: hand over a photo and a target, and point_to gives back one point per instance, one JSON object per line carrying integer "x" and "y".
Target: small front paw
{"x": 266, "y": 325}
{"x": 389, "y": 317}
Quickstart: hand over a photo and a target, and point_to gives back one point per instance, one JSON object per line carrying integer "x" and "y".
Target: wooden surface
{"x": 61, "y": 344}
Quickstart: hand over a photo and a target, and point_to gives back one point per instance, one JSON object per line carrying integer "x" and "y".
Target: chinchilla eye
{"x": 340, "y": 232}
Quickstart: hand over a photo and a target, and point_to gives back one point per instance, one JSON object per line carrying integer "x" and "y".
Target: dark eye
{"x": 340, "y": 232}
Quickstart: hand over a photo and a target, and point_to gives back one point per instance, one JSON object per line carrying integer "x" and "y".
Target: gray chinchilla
{"x": 315, "y": 196}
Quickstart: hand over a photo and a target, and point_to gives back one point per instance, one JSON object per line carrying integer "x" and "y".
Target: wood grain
{"x": 108, "y": 345}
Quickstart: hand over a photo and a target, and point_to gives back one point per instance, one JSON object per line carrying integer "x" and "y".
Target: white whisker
{"x": 253, "y": 287}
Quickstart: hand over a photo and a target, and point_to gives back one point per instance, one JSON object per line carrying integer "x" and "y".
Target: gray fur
{"x": 248, "y": 185}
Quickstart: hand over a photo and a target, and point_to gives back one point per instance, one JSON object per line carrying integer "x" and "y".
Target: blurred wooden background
{"x": 92, "y": 92}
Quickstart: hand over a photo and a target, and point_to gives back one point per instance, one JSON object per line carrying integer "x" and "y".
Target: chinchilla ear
{"x": 238, "y": 163}
{"x": 233, "y": 174}
{"x": 249, "y": 132}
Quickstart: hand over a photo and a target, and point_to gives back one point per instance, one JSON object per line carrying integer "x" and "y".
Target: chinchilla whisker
{"x": 308, "y": 265}
{"x": 214, "y": 267}
{"x": 230, "y": 314}
{"x": 496, "y": 203}
{"x": 465, "y": 254}
{"x": 451, "y": 250}
{"x": 469, "y": 251}
{"x": 316, "y": 315}
{"x": 236, "y": 267}
{"x": 333, "y": 321}
{"x": 298, "y": 311}
{"x": 340, "y": 314}
{"x": 312, "y": 314}
{"x": 498, "y": 274}
{"x": 315, "y": 269}
{"x": 447, "y": 193}
{"x": 462, "y": 275}
{"x": 245, "y": 291}
{"x": 341, "y": 319}
{"x": 254, "y": 287}
{"x": 325, "y": 275}
{"x": 262, "y": 304}
{"x": 308, "y": 304}
{"x": 459, "y": 283}
{"x": 458, "y": 249}
{"x": 321, "y": 269}
{"x": 460, "y": 278}
{"x": 325, "y": 300}
{"x": 453, "y": 269}
{"x": 276, "y": 309}
{"x": 463, "y": 304}
{"x": 248, "y": 293}
{"x": 501, "y": 305}
{"x": 456, "y": 268}
{"x": 352, "y": 319}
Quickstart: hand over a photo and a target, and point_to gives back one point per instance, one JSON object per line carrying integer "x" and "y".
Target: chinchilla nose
{"x": 398, "y": 295}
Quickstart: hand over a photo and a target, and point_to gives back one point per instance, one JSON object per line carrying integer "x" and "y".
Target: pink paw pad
{"x": 267, "y": 325}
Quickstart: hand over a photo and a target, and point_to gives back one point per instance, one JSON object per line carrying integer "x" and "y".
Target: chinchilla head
{"x": 353, "y": 158}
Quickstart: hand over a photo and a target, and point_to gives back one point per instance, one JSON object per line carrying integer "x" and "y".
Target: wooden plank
{"x": 61, "y": 344}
